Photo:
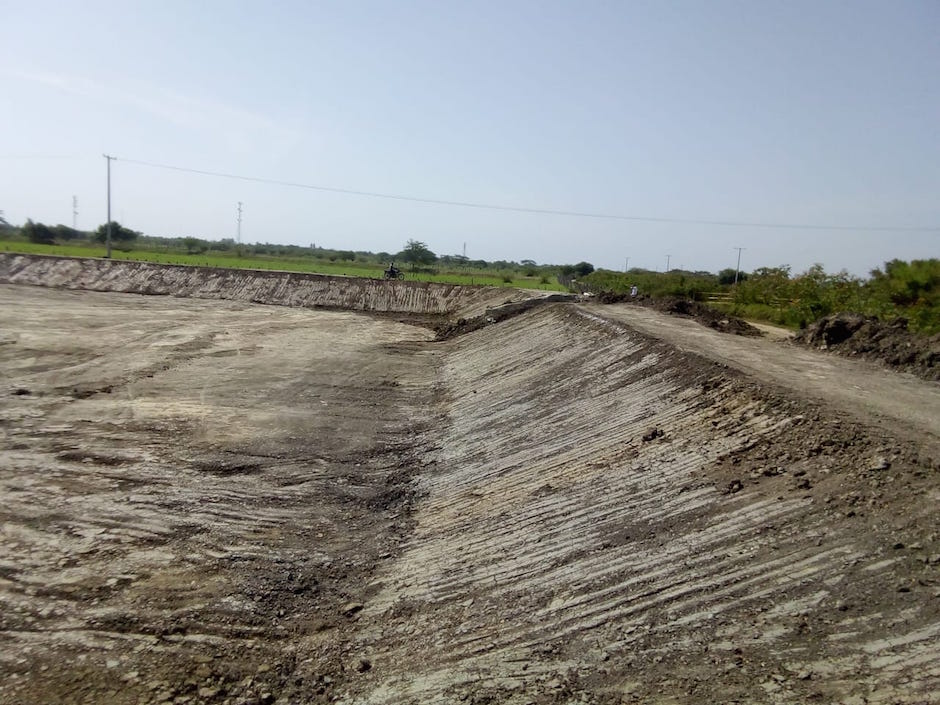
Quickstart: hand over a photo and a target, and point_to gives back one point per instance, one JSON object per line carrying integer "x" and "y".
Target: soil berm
{"x": 207, "y": 499}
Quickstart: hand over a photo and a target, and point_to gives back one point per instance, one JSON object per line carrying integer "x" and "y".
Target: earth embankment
{"x": 279, "y": 288}
{"x": 611, "y": 519}
{"x": 211, "y": 500}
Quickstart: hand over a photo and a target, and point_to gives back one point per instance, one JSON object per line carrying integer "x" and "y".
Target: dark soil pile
{"x": 890, "y": 342}
{"x": 705, "y": 315}
{"x": 452, "y": 329}
{"x": 462, "y": 326}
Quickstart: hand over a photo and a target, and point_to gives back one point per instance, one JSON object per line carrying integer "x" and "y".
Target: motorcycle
{"x": 394, "y": 272}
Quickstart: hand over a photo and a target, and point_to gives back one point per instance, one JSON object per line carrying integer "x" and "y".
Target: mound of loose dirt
{"x": 452, "y": 329}
{"x": 890, "y": 342}
{"x": 510, "y": 309}
{"x": 705, "y": 315}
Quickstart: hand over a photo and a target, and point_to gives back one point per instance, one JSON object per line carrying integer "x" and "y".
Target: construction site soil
{"x": 685, "y": 307}
{"x": 216, "y": 501}
{"x": 890, "y": 342}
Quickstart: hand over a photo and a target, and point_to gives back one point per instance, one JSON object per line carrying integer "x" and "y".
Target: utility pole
{"x": 626, "y": 266}
{"x": 74, "y": 212}
{"x": 239, "y": 223}
{"x": 668, "y": 257}
{"x": 738, "y": 267}
{"x": 108, "y": 228}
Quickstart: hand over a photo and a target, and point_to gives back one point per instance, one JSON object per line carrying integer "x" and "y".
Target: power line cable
{"x": 539, "y": 211}
{"x": 40, "y": 156}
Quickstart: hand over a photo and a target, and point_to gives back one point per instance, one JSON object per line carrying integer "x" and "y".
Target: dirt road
{"x": 857, "y": 387}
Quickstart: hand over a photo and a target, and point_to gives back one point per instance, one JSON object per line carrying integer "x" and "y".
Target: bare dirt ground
{"x": 772, "y": 331}
{"x": 190, "y": 489}
{"x": 217, "y": 502}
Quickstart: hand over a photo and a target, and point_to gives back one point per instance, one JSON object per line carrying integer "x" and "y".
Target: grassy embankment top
{"x": 457, "y": 275}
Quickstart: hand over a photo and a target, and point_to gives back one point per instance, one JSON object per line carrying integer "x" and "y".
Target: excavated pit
{"x": 210, "y": 501}
{"x": 294, "y": 289}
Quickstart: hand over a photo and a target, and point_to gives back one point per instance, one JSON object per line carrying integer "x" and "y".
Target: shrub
{"x": 38, "y": 233}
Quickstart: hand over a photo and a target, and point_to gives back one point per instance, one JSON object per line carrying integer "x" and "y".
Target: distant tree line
{"x": 415, "y": 253}
{"x": 50, "y": 235}
{"x": 906, "y": 289}
{"x": 42, "y": 234}
{"x": 910, "y": 290}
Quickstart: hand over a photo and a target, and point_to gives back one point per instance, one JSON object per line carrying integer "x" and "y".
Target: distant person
{"x": 633, "y": 291}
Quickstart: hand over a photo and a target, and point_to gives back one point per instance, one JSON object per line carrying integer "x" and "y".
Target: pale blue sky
{"x": 779, "y": 112}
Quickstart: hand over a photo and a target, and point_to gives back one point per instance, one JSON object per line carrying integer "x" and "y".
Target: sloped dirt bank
{"x": 295, "y": 289}
{"x": 461, "y": 326}
{"x": 211, "y": 502}
{"x": 610, "y": 520}
{"x": 855, "y": 387}
{"x": 889, "y": 342}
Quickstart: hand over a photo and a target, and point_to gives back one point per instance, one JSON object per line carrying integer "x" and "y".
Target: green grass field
{"x": 291, "y": 264}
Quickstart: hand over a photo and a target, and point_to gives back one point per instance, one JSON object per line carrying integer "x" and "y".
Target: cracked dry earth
{"x": 217, "y": 502}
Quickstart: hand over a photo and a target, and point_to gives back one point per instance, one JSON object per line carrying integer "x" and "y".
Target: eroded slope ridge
{"x": 611, "y": 519}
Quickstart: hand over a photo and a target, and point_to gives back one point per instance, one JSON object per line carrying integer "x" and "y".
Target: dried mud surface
{"x": 217, "y": 502}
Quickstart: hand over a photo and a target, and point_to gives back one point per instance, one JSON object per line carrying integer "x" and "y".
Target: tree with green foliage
{"x": 121, "y": 237}
{"x": 417, "y": 253}
{"x": 726, "y": 277}
{"x": 193, "y": 245}
{"x": 42, "y": 234}
{"x": 690, "y": 285}
{"x": 908, "y": 283}
{"x": 815, "y": 294}
{"x": 581, "y": 269}
{"x": 909, "y": 288}
{"x": 38, "y": 233}
{"x": 63, "y": 233}
{"x": 766, "y": 285}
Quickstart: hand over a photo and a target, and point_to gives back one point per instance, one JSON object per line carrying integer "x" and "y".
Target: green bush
{"x": 907, "y": 289}
{"x": 38, "y": 233}
{"x": 675, "y": 283}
